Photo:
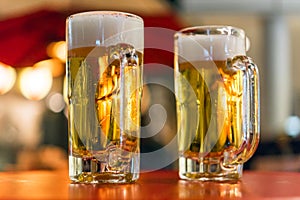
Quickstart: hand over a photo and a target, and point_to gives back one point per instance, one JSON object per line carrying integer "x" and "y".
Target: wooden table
{"x": 154, "y": 185}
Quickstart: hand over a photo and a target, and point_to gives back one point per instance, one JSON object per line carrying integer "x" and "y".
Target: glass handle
{"x": 250, "y": 108}
{"x": 254, "y": 110}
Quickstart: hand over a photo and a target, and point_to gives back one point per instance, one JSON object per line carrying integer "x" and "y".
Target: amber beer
{"x": 104, "y": 93}
{"x": 217, "y": 104}
{"x": 229, "y": 103}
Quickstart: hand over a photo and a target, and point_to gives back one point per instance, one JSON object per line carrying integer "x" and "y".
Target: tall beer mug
{"x": 217, "y": 96}
{"x": 104, "y": 78}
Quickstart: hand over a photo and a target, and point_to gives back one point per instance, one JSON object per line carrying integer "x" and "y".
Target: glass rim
{"x": 212, "y": 30}
{"x": 106, "y": 13}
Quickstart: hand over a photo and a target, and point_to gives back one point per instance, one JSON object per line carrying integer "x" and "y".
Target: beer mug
{"x": 217, "y": 99}
{"x": 104, "y": 79}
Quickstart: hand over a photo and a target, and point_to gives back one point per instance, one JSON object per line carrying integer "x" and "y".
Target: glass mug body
{"x": 104, "y": 81}
{"x": 217, "y": 100}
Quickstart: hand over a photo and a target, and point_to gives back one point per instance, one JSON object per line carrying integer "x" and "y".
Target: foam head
{"x": 104, "y": 28}
{"x": 209, "y": 43}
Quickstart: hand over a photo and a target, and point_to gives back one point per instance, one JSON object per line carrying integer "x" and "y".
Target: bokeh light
{"x": 56, "y": 67}
{"x": 35, "y": 82}
{"x": 7, "y": 78}
{"x": 55, "y": 102}
{"x": 57, "y": 50}
{"x": 292, "y": 126}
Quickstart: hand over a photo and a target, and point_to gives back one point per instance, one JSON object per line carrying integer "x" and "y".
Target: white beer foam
{"x": 104, "y": 28}
{"x": 209, "y": 47}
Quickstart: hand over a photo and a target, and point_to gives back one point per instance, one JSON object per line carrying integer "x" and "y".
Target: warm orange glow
{"x": 35, "y": 82}
{"x": 7, "y": 78}
{"x": 57, "y": 50}
{"x": 65, "y": 90}
{"x": 54, "y": 65}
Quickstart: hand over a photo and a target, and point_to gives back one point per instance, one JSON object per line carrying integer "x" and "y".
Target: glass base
{"x": 208, "y": 169}
{"x": 107, "y": 177}
{"x": 93, "y": 171}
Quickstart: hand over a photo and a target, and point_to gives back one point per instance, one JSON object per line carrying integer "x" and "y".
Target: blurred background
{"x": 33, "y": 122}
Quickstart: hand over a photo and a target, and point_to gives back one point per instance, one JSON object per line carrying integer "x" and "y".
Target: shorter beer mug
{"x": 217, "y": 97}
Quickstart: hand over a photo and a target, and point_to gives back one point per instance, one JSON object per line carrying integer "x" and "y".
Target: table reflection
{"x": 105, "y": 191}
{"x": 209, "y": 189}
{"x": 160, "y": 187}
